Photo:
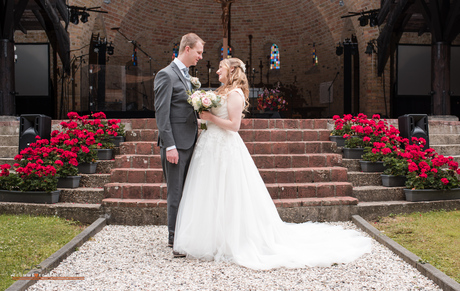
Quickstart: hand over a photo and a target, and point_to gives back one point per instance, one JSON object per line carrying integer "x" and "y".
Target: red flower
{"x": 5, "y": 167}
{"x": 445, "y": 181}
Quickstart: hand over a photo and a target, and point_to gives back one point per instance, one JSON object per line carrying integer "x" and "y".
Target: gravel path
{"x": 137, "y": 258}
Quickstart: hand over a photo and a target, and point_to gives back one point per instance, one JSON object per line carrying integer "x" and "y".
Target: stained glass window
{"x": 229, "y": 52}
{"x": 175, "y": 50}
{"x": 274, "y": 57}
{"x": 314, "y": 56}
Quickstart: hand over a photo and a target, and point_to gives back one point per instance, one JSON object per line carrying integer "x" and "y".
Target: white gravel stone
{"x": 137, "y": 258}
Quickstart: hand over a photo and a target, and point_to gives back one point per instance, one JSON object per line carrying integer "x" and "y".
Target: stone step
{"x": 9, "y": 161}
{"x": 444, "y": 139}
{"x": 9, "y": 140}
{"x": 94, "y": 180}
{"x": 248, "y": 135}
{"x": 139, "y": 148}
{"x": 150, "y": 123}
{"x": 284, "y": 123}
{"x": 104, "y": 166}
{"x": 447, "y": 150}
{"x": 303, "y": 175}
{"x": 287, "y": 203}
{"x": 295, "y": 147}
{"x": 9, "y": 128}
{"x": 280, "y": 147}
{"x": 444, "y": 127}
{"x": 129, "y": 175}
{"x": 263, "y": 161}
{"x": 148, "y": 134}
{"x": 8, "y": 151}
{"x": 378, "y": 193}
{"x": 364, "y": 179}
{"x": 82, "y": 195}
{"x": 277, "y": 191}
{"x": 143, "y": 123}
{"x": 297, "y": 161}
{"x": 352, "y": 165}
{"x": 276, "y": 175}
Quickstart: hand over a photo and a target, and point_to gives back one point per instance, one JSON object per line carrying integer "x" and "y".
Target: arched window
{"x": 274, "y": 57}
{"x": 314, "y": 56}
{"x": 229, "y": 52}
{"x": 175, "y": 50}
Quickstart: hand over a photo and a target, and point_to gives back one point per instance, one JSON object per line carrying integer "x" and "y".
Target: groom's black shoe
{"x": 171, "y": 241}
{"x": 178, "y": 255}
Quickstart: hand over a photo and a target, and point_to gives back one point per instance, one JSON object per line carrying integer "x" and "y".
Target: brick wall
{"x": 295, "y": 26}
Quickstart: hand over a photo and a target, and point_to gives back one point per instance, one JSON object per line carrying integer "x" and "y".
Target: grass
{"x": 433, "y": 236}
{"x": 25, "y": 241}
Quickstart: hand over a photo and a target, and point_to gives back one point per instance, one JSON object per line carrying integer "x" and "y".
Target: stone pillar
{"x": 440, "y": 78}
{"x": 7, "y": 86}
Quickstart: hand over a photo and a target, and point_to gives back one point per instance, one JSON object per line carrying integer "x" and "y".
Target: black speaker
{"x": 414, "y": 125}
{"x": 31, "y": 125}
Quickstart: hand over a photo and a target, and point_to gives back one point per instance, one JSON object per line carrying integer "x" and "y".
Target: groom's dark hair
{"x": 190, "y": 40}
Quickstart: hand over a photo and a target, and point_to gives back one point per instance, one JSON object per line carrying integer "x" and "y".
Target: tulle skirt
{"x": 227, "y": 214}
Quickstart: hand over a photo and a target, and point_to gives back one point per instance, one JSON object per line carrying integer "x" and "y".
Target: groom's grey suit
{"x": 177, "y": 126}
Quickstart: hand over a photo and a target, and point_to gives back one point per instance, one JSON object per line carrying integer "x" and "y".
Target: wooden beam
{"x": 22, "y": 28}
{"x": 435, "y": 25}
{"x": 7, "y": 20}
{"x": 384, "y": 10}
{"x": 62, "y": 36}
{"x": 63, "y": 11}
{"x": 18, "y": 11}
{"x": 425, "y": 12}
{"x": 452, "y": 22}
{"x": 40, "y": 19}
{"x": 384, "y": 39}
{"x": 422, "y": 30}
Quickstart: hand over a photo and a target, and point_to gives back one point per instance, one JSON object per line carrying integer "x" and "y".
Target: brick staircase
{"x": 303, "y": 171}
{"x": 297, "y": 161}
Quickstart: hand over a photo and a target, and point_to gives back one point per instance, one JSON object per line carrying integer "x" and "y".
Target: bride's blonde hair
{"x": 236, "y": 78}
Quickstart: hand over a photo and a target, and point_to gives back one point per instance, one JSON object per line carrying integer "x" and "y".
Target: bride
{"x": 226, "y": 212}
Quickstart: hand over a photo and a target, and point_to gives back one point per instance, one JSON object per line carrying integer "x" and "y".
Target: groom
{"x": 177, "y": 122}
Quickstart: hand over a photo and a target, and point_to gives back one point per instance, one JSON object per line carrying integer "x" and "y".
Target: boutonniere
{"x": 195, "y": 82}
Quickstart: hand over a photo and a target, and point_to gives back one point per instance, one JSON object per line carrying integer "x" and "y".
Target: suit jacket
{"x": 176, "y": 119}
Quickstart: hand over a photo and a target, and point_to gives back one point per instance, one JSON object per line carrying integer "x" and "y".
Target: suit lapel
{"x": 180, "y": 75}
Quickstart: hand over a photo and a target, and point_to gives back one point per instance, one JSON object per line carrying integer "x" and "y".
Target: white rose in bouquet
{"x": 201, "y": 101}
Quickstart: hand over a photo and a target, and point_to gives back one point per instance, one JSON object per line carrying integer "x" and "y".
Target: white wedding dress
{"x": 227, "y": 214}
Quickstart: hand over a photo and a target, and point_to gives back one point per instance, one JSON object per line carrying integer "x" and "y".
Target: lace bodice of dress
{"x": 222, "y": 111}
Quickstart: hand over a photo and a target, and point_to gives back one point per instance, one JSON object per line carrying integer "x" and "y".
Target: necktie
{"x": 186, "y": 74}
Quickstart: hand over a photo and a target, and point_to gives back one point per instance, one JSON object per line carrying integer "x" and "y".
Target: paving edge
{"x": 445, "y": 282}
{"x": 55, "y": 259}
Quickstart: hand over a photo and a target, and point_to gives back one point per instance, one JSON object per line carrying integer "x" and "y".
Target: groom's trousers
{"x": 175, "y": 175}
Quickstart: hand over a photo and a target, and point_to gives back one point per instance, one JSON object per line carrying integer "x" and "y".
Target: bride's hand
{"x": 206, "y": 115}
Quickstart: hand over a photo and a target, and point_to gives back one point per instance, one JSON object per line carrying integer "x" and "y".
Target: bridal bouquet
{"x": 204, "y": 101}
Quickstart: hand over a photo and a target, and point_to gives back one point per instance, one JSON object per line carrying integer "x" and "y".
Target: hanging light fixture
{"x": 84, "y": 17}
{"x": 370, "y": 48}
{"x": 363, "y": 20}
{"x": 74, "y": 16}
{"x": 110, "y": 49}
{"x": 339, "y": 49}
{"x": 373, "y": 20}
{"x": 76, "y": 11}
